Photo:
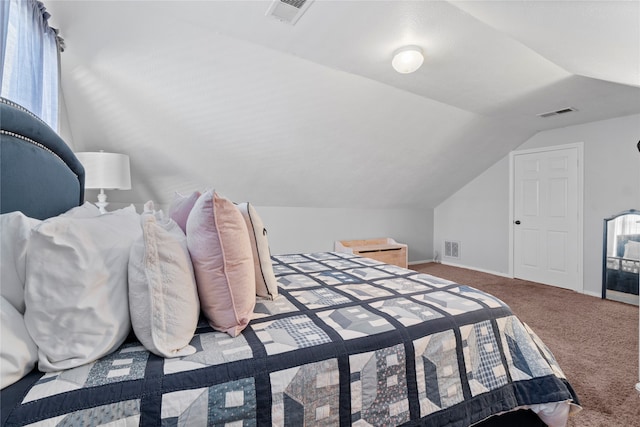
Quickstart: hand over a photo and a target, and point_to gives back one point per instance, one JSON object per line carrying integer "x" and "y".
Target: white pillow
{"x": 266, "y": 282}
{"x": 15, "y": 229}
{"x": 18, "y": 352}
{"x": 76, "y": 296}
{"x": 163, "y": 298}
{"x": 632, "y": 250}
{"x": 86, "y": 210}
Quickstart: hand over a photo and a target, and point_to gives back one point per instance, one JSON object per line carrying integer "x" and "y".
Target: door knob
{"x": 517, "y": 222}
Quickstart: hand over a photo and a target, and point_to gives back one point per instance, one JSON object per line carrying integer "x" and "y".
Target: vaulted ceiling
{"x": 218, "y": 94}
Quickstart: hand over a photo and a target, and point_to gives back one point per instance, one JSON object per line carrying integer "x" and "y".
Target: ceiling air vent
{"x": 557, "y": 112}
{"x": 288, "y": 11}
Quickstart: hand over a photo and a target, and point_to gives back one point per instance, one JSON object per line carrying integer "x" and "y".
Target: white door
{"x": 546, "y": 217}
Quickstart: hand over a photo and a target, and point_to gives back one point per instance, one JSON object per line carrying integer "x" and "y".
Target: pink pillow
{"x": 218, "y": 240}
{"x": 181, "y": 206}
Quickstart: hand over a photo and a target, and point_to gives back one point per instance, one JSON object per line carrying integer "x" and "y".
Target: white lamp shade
{"x": 407, "y": 59}
{"x": 109, "y": 171}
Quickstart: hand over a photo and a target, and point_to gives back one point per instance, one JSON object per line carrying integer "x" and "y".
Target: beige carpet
{"x": 594, "y": 340}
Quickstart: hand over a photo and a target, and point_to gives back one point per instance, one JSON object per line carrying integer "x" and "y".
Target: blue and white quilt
{"x": 349, "y": 341}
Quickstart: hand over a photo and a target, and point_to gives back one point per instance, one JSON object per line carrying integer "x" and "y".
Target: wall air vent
{"x": 288, "y": 11}
{"x": 451, "y": 249}
{"x": 557, "y": 112}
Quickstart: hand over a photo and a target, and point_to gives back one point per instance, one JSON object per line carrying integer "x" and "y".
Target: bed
{"x": 348, "y": 341}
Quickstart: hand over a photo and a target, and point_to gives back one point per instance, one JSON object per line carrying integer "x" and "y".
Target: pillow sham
{"x": 16, "y": 229}
{"x": 18, "y": 352}
{"x": 266, "y": 282}
{"x": 85, "y": 210}
{"x": 218, "y": 241}
{"x": 76, "y": 297}
{"x": 163, "y": 298}
{"x": 181, "y": 206}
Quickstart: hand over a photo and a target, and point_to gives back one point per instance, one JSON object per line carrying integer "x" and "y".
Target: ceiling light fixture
{"x": 407, "y": 59}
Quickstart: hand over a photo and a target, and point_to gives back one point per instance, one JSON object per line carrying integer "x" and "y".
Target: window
{"x": 29, "y": 58}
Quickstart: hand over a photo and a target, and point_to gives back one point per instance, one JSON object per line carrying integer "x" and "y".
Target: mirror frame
{"x": 605, "y": 236}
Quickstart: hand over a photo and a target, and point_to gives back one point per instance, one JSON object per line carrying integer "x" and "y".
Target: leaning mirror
{"x": 621, "y": 257}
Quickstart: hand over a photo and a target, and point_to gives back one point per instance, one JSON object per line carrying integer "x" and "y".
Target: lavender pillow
{"x": 181, "y": 206}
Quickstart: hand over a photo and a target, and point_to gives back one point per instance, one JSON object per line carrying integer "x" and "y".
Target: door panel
{"x": 530, "y": 248}
{"x": 558, "y": 189}
{"x": 557, "y": 251}
{"x": 530, "y": 197}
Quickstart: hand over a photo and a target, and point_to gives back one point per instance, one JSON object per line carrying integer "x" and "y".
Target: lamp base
{"x": 102, "y": 202}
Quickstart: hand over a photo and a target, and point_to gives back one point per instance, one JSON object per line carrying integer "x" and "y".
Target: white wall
{"x": 304, "y": 230}
{"x": 64, "y": 127}
{"x": 295, "y": 230}
{"x": 477, "y": 216}
{"x": 611, "y": 184}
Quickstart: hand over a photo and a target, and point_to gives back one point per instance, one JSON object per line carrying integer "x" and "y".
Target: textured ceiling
{"x": 216, "y": 94}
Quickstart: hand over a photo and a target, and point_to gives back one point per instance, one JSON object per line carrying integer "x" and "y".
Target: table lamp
{"x": 105, "y": 171}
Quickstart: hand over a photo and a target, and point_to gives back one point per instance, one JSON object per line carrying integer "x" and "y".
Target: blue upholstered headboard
{"x": 39, "y": 174}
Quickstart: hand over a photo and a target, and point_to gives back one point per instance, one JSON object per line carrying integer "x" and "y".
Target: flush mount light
{"x": 407, "y": 59}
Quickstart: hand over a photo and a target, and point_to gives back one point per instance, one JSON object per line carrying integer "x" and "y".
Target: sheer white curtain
{"x": 29, "y": 55}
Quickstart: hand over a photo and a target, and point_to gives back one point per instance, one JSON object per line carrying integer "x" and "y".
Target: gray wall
{"x": 477, "y": 215}
{"x": 304, "y": 230}
{"x": 295, "y": 230}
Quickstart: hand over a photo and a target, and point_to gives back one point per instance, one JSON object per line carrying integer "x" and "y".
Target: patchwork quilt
{"x": 349, "y": 341}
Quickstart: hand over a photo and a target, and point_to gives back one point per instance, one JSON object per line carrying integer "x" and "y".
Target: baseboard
{"x": 420, "y": 262}
{"x": 496, "y": 273}
{"x": 592, "y": 294}
{"x": 481, "y": 270}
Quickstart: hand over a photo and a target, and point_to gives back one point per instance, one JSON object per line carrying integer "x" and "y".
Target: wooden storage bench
{"x": 384, "y": 249}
